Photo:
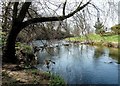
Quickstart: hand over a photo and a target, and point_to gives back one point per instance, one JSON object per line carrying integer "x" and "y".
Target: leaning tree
{"x": 19, "y": 22}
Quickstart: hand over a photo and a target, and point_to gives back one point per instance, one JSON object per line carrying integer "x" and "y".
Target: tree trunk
{"x": 9, "y": 51}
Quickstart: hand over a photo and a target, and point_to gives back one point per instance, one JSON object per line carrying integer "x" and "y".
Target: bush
{"x": 25, "y": 47}
{"x": 108, "y": 34}
{"x": 25, "y": 55}
{"x": 116, "y": 29}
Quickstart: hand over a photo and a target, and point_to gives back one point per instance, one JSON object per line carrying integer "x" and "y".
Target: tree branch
{"x": 23, "y": 11}
{"x": 33, "y": 11}
{"x": 56, "y": 18}
{"x": 78, "y": 9}
{"x": 64, "y": 5}
{"x": 29, "y": 14}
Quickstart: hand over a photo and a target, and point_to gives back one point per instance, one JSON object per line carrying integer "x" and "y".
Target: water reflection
{"x": 98, "y": 52}
{"x": 114, "y": 53}
{"x": 82, "y": 64}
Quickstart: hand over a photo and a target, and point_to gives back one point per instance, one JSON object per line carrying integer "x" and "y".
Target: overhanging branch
{"x": 23, "y": 11}
{"x": 56, "y": 18}
{"x": 64, "y": 5}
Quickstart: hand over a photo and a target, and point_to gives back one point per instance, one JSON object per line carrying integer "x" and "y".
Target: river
{"x": 81, "y": 64}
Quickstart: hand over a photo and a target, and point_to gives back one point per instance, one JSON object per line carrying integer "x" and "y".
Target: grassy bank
{"x": 29, "y": 77}
{"x": 97, "y": 39}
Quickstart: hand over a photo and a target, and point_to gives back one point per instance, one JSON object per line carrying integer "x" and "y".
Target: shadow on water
{"x": 112, "y": 52}
{"x": 98, "y": 52}
{"x": 82, "y": 64}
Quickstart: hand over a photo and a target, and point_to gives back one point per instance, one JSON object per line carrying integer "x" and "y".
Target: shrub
{"x": 116, "y": 29}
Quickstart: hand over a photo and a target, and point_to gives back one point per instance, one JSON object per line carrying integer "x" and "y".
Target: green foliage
{"x": 99, "y": 28}
{"x": 47, "y": 73}
{"x": 34, "y": 71}
{"x": 112, "y": 38}
{"x": 4, "y": 74}
{"x": 57, "y": 81}
{"x": 28, "y": 57}
{"x": 54, "y": 80}
{"x": 0, "y": 42}
{"x": 2, "y": 38}
{"x": 25, "y": 47}
{"x": 116, "y": 29}
{"x": 18, "y": 44}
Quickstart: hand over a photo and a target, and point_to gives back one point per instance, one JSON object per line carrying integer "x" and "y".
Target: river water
{"x": 81, "y": 64}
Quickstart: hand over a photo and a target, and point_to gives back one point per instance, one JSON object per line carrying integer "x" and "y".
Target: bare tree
{"x": 19, "y": 22}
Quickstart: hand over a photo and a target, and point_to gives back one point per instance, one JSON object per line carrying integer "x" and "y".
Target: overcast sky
{"x": 110, "y": 15}
{"x": 108, "y": 10}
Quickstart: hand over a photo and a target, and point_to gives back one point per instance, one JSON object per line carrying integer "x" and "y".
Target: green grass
{"x": 114, "y": 38}
{"x": 96, "y": 38}
{"x": 57, "y": 81}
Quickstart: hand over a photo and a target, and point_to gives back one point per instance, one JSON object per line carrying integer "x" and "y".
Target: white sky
{"x": 108, "y": 12}
{"x": 108, "y": 15}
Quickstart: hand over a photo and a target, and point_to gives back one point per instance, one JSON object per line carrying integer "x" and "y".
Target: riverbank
{"x": 12, "y": 75}
{"x": 95, "y": 39}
